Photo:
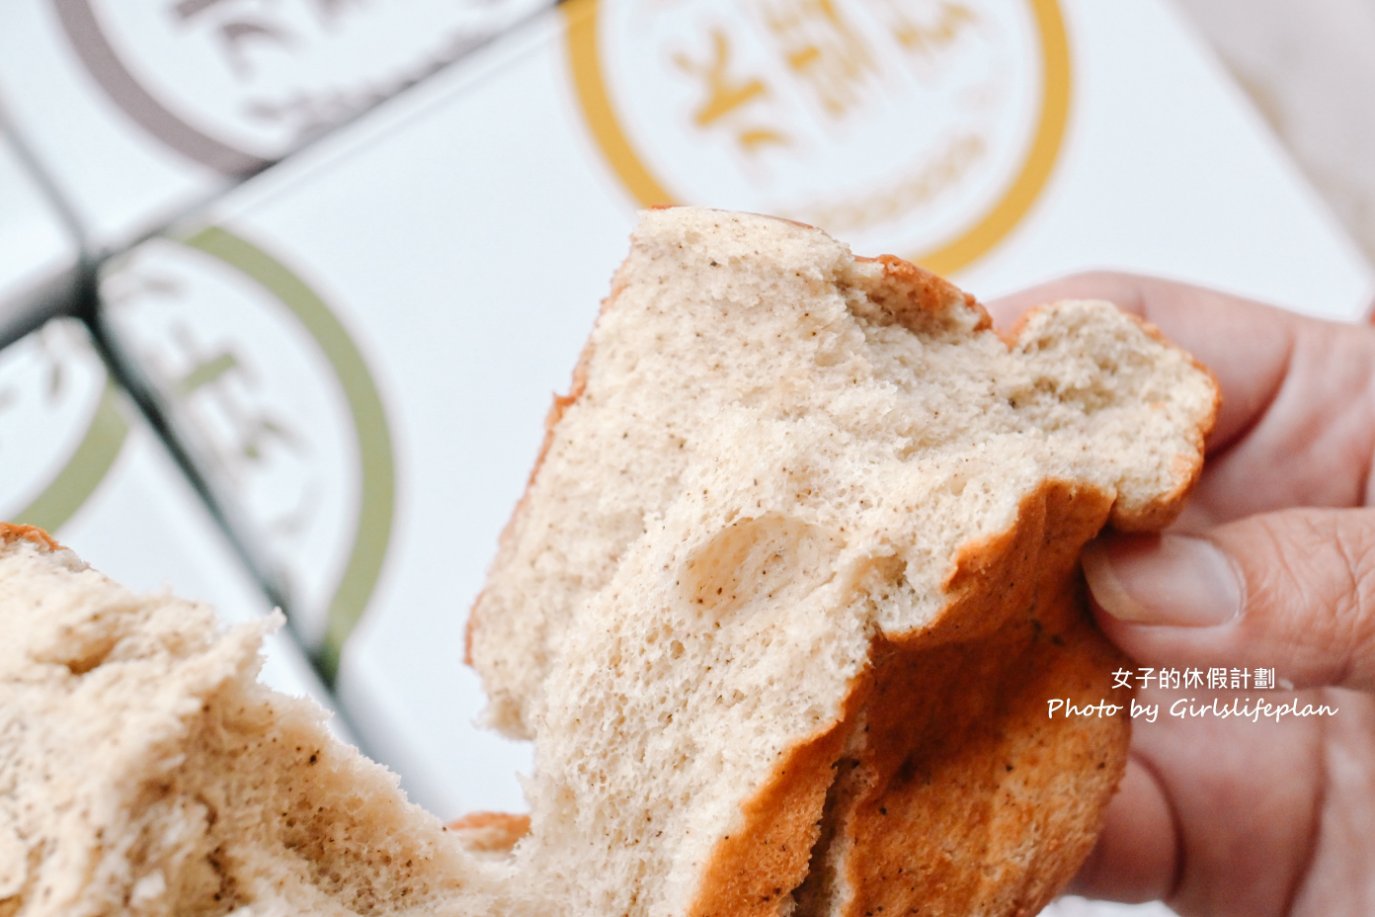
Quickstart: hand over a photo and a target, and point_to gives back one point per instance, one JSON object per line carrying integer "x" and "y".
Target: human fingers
{"x": 1216, "y": 816}
{"x": 1292, "y": 590}
{"x": 1136, "y": 856}
{"x": 1235, "y": 810}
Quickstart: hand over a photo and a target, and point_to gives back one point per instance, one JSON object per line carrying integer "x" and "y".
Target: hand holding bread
{"x": 1272, "y": 564}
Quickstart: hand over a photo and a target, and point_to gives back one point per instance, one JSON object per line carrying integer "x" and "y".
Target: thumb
{"x": 1292, "y": 590}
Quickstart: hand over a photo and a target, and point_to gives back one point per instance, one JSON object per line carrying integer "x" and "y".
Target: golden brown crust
{"x": 966, "y": 798}
{"x": 753, "y": 869}
{"x": 10, "y": 531}
{"x": 491, "y": 832}
{"x": 962, "y": 795}
{"x": 920, "y": 293}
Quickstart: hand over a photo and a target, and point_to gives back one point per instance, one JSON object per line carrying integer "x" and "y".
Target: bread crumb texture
{"x": 797, "y": 572}
{"x": 143, "y": 771}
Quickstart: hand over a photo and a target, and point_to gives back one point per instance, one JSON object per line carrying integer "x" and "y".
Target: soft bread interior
{"x": 723, "y": 321}
{"x": 783, "y": 475}
{"x": 144, "y": 771}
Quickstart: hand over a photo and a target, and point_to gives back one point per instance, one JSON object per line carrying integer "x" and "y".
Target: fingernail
{"x": 1168, "y": 579}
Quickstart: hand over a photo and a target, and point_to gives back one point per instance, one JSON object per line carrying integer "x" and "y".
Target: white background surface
{"x": 1309, "y": 69}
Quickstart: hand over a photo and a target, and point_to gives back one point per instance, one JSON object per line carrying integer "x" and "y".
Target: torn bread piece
{"x": 796, "y": 575}
{"x": 144, "y": 771}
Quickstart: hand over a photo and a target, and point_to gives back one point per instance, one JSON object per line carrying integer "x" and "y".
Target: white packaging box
{"x": 38, "y": 255}
{"x": 139, "y": 111}
{"x": 81, "y": 462}
{"x": 360, "y": 347}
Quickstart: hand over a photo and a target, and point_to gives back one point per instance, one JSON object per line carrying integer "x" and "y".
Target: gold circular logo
{"x": 927, "y": 127}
